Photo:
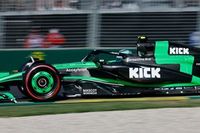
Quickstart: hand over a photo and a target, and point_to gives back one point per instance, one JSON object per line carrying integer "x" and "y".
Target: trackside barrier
{"x": 14, "y": 59}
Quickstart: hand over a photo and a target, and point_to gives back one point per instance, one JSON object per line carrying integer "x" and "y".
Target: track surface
{"x": 183, "y": 120}
{"x": 98, "y": 100}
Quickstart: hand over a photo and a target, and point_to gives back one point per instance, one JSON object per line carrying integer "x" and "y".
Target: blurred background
{"x": 96, "y": 23}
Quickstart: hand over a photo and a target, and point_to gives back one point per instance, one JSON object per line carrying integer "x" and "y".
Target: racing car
{"x": 160, "y": 67}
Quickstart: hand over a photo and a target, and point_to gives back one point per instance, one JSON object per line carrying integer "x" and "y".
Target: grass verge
{"x": 31, "y": 110}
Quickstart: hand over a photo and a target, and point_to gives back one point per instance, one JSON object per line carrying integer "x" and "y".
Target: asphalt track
{"x": 169, "y": 120}
{"x": 99, "y": 100}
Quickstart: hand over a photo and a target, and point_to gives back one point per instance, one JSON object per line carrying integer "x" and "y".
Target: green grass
{"x": 42, "y": 109}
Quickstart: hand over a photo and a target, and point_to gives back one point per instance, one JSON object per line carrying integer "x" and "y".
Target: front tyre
{"x": 42, "y": 82}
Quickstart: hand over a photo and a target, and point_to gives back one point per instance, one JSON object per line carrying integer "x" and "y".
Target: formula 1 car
{"x": 161, "y": 67}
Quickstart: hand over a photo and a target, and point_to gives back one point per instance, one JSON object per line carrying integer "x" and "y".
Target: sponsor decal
{"x": 76, "y": 70}
{"x": 175, "y": 51}
{"x": 138, "y": 59}
{"x": 169, "y": 88}
{"x": 90, "y": 91}
{"x": 175, "y": 88}
{"x": 145, "y": 72}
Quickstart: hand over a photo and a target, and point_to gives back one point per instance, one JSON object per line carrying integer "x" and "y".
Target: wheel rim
{"x": 42, "y": 82}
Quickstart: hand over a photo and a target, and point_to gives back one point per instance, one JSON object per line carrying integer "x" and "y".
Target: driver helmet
{"x": 142, "y": 39}
{"x": 141, "y": 49}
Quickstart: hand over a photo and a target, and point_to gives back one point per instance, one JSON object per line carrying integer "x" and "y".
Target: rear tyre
{"x": 42, "y": 82}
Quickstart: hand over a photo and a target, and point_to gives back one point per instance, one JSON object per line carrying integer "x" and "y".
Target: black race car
{"x": 161, "y": 67}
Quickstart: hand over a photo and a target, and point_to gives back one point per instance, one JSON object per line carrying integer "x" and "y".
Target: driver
{"x": 144, "y": 48}
{"x": 142, "y": 39}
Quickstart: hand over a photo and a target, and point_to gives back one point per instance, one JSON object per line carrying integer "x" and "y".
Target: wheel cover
{"x": 42, "y": 82}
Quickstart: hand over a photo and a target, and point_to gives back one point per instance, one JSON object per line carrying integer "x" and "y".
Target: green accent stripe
{"x": 3, "y": 74}
{"x": 12, "y": 77}
{"x": 185, "y": 61}
{"x": 75, "y": 65}
{"x": 162, "y": 57}
{"x": 195, "y": 79}
{"x": 121, "y": 82}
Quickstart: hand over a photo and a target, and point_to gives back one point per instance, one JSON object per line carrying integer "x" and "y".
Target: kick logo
{"x": 146, "y": 72}
{"x": 178, "y": 51}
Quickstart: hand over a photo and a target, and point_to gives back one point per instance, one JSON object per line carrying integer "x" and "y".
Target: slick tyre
{"x": 42, "y": 82}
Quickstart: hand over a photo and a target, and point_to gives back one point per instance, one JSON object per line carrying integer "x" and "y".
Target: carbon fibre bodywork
{"x": 158, "y": 68}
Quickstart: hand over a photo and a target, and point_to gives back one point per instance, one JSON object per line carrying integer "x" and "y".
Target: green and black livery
{"x": 159, "y": 68}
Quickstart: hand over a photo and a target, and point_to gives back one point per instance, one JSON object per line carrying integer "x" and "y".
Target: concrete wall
{"x": 12, "y": 60}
